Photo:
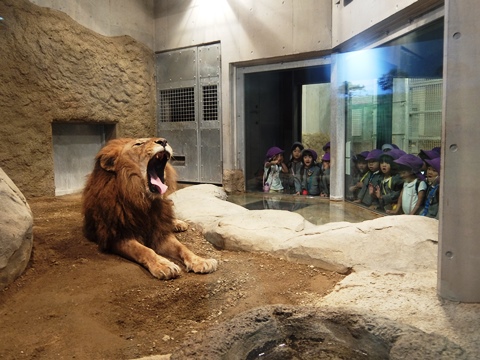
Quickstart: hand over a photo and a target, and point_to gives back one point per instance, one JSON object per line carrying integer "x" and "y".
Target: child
{"x": 412, "y": 195}
{"x": 428, "y": 154}
{"x": 433, "y": 188}
{"x": 294, "y": 166}
{"x": 273, "y": 166}
{"x": 359, "y": 174}
{"x": 372, "y": 178}
{"x": 325, "y": 176}
{"x": 326, "y": 150}
{"x": 391, "y": 183}
{"x": 310, "y": 173}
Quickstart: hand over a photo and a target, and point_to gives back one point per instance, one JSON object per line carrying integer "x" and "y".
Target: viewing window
{"x": 393, "y": 96}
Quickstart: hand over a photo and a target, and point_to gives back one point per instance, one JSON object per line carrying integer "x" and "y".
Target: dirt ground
{"x": 75, "y": 302}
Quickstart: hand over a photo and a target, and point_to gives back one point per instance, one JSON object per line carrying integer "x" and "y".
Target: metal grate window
{"x": 177, "y": 105}
{"x": 210, "y": 103}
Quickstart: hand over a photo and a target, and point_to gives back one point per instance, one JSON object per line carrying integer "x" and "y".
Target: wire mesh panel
{"x": 177, "y": 105}
{"x": 210, "y": 103}
{"x": 425, "y": 112}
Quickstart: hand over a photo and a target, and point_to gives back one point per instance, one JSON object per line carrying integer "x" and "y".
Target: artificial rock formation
{"x": 54, "y": 70}
{"x": 16, "y": 239}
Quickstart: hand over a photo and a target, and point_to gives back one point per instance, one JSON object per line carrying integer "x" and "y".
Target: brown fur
{"x": 125, "y": 214}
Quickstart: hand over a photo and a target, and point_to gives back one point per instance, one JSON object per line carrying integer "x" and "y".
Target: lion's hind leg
{"x": 174, "y": 249}
{"x": 158, "y": 266}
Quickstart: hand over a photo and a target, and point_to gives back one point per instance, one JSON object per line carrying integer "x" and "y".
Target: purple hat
{"x": 435, "y": 163}
{"x": 374, "y": 155}
{"x": 394, "y": 153}
{"x": 326, "y": 157}
{"x": 326, "y": 146}
{"x": 311, "y": 152}
{"x": 362, "y": 156}
{"x": 272, "y": 152}
{"x": 430, "y": 154}
{"x": 411, "y": 161}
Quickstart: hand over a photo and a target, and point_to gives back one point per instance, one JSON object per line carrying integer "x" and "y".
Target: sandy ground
{"x": 76, "y": 302}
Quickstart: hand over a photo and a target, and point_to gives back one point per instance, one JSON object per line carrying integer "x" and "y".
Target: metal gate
{"x": 188, "y": 111}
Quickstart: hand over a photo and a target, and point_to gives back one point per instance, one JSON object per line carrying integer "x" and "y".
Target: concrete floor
{"x": 316, "y": 210}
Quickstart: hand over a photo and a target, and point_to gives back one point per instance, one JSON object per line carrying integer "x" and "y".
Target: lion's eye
{"x": 138, "y": 144}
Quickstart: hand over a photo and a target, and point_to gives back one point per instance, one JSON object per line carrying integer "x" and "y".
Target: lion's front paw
{"x": 164, "y": 269}
{"x": 202, "y": 266}
{"x": 180, "y": 225}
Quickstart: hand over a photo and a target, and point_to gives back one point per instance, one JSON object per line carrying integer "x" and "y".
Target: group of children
{"x": 386, "y": 179}
{"x": 301, "y": 174}
{"x": 395, "y": 182}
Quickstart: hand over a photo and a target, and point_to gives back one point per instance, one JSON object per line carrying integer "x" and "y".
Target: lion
{"x": 127, "y": 211}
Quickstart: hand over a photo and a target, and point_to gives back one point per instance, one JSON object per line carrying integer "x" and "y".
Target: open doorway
{"x": 281, "y": 107}
{"x": 74, "y": 148}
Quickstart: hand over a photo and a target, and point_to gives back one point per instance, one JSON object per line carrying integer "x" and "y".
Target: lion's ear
{"x": 108, "y": 155}
{"x": 107, "y": 162}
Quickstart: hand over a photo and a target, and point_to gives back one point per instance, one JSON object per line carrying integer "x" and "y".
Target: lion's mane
{"x": 117, "y": 204}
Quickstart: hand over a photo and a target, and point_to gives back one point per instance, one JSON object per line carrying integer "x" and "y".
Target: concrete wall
{"x": 459, "y": 247}
{"x": 249, "y": 30}
{"x": 110, "y": 18}
{"x": 359, "y": 23}
{"x": 359, "y": 15}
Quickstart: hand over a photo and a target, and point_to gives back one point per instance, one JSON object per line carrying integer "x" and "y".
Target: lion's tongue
{"x": 155, "y": 180}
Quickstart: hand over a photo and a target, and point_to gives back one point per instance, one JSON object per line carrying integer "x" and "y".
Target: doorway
{"x": 281, "y": 104}
{"x": 189, "y": 111}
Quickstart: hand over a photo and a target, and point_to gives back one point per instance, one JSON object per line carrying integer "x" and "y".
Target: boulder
{"x": 16, "y": 238}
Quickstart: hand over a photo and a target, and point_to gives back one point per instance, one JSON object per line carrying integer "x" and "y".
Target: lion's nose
{"x": 162, "y": 142}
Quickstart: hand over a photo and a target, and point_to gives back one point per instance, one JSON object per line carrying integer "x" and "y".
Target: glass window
{"x": 393, "y": 97}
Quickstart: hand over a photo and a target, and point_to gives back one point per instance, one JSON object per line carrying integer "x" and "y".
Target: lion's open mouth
{"x": 156, "y": 172}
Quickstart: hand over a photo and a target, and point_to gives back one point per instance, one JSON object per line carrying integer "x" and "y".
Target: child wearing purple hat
{"x": 433, "y": 188}
{"x": 325, "y": 176}
{"x": 294, "y": 166}
{"x": 310, "y": 173}
{"x": 358, "y": 175}
{"x": 412, "y": 195}
{"x": 273, "y": 166}
{"x": 391, "y": 183}
{"x": 372, "y": 179}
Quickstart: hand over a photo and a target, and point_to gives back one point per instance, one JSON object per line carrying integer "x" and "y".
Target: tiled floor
{"x": 314, "y": 209}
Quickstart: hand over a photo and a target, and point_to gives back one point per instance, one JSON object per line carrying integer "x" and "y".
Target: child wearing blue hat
{"x": 412, "y": 195}
{"x": 273, "y": 166}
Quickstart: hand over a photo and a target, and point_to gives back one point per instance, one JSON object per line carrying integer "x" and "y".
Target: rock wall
{"x": 55, "y": 70}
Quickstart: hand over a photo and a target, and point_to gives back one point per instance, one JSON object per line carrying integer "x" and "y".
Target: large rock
{"x": 391, "y": 243}
{"x": 16, "y": 238}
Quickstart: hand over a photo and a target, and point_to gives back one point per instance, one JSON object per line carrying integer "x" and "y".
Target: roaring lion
{"x": 127, "y": 212}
